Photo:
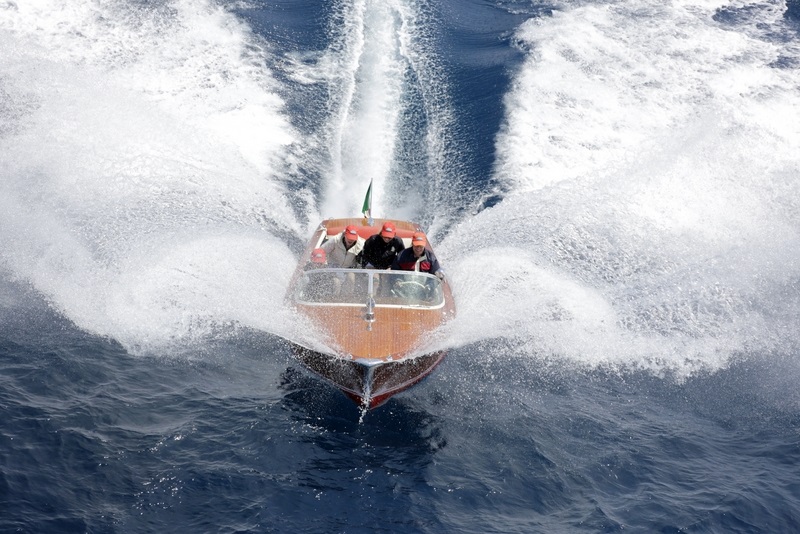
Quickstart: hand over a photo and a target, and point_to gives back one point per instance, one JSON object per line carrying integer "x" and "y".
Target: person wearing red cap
{"x": 381, "y": 249}
{"x": 343, "y": 249}
{"x": 418, "y": 258}
{"x": 317, "y": 260}
{"x": 319, "y": 286}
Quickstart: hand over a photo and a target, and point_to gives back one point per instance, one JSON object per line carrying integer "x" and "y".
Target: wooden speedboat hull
{"x": 375, "y": 334}
{"x": 366, "y": 383}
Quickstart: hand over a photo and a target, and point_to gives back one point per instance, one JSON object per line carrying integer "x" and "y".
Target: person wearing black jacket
{"x": 380, "y": 250}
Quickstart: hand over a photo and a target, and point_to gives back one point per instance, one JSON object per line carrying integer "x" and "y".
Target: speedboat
{"x": 375, "y": 322}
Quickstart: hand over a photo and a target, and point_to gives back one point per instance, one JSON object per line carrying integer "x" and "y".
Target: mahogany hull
{"x": 369, "y": 385}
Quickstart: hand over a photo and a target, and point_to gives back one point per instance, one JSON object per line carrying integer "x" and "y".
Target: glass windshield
{"x": 356, "y": 286}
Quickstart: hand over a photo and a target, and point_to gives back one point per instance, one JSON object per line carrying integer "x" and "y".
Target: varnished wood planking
{"x": 395, "y": 332}
{"x": 377, "y": 224}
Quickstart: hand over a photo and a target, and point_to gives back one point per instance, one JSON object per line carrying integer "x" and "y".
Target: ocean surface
{"x": 613, "y": 189}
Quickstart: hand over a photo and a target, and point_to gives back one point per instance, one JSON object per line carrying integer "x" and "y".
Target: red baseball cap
{"x": 350, "y": 232}
{"x": 318, "y": 255}
{"x": 388, "y": 230}
{"x": 419, "y": 239}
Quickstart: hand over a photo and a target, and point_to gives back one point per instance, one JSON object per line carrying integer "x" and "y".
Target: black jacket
{"x": 381, "y": 254}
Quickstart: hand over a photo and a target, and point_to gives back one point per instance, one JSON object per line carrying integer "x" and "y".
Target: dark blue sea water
{"x": 612, "y": 189}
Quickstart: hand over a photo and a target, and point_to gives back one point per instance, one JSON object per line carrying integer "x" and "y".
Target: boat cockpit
{"x": 376, "y": 288}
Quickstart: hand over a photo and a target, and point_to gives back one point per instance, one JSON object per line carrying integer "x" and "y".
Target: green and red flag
{"x": 367, "y": 208}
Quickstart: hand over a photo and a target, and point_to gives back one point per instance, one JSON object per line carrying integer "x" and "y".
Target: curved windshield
{"x": 356, "y": 286}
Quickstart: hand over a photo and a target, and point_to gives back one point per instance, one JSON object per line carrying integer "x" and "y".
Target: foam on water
{"x": 387, "y": 110}
{"x": 146, "y": 152}
{"x": 651, "y": 220}
{"x": 142, "y": 148}
{"x": 648, "y": 164}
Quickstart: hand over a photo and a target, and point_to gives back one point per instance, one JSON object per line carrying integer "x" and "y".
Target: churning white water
{"x": 384, "y": 87}
{"x": 648, "y": 161}
{"x": 650, "y": 154}
{"x": 142, "y": 149}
